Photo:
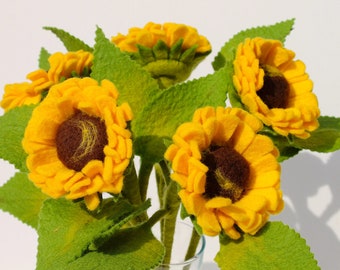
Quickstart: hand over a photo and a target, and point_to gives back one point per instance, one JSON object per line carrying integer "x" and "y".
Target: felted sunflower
{"x": 275, "y": 87}
{"x": 169, "y": 52}
{"x": 26, "y": 93}
{"x": 77, "y": 141}
{"x": 228, "y": 174}
{"x": 61, "y": 66}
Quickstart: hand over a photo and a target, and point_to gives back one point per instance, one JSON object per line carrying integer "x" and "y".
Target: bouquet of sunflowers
{"x": 95, "y": 127}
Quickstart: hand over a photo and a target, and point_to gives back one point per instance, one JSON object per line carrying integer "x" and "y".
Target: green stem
{"x": 143, "y": 177}
{"x": 194, "y": 240}
{"x": 169, "y": 200}
{"x": 161, "y": 183}
{"x": 131, "y": 187}
{"x": 167, "y": 236}
{"x": 132, "y": 193}
{"x": 156, "y": 217}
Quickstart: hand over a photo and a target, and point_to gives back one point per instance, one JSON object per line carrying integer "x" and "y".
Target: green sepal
{"x": 145, "y": 55}
{"x": 20, "y": 198}
{"x": 134, "y": 84}
{"x": 70, "y": 42}
{"x": 173, "y": 106}
{"x": 161, "y": 50}
{"x": 176, "y": 50}
{"x": 43, "y": 59}
{"x": 188, "y": 55}
{"x": 68, "y": 232}
{"x": 168, "y": 65}
{"x": 278, "y": 31}
{"x": 12, "y": 128}
{"x": 275, "y": 246}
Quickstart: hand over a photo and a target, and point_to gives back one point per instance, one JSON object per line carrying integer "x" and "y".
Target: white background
{"x": 310, "y": 181}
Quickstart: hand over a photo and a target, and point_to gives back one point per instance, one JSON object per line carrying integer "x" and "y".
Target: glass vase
{"x": 181, "y": 242}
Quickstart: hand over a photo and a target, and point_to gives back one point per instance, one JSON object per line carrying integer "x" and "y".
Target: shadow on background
{"x": 210, "y": 266}
{"x": 302, "y": 177}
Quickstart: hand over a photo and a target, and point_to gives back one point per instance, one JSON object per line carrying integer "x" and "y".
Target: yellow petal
{"x": 92, "y": 201}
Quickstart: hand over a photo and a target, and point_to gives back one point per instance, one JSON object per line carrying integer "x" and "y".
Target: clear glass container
{"x": 180, "y": 246}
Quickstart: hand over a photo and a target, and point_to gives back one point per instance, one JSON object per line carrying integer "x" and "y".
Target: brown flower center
{"x": 228, "y": 173}
{"x": 275, "y": 90}
{"x": 80, "y": 139}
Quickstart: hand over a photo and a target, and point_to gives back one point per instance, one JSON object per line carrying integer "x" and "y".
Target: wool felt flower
{"x": 169, "y": 51}
{"x": 61, "y": 66}
{"x": 70, "y": 64}
{"x": 26, "y": 93}
{"x": 229, "y": 176}
{"x": 275, "y": 87}
{"x": 169, "y": 33}
{"x": 77, "y": 141}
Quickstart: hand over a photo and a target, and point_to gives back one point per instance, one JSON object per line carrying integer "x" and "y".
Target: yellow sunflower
{"x": 169, "y": 52}
{"x": 77, "y": 141}
{"x": 62, "y": 66}
{"x": 26, "y": 93}
{"x": 228, "y": 174}
{"x": 275, "y": 87}
{"x": 70, "y": 64}
{"x": 170, "y": 33}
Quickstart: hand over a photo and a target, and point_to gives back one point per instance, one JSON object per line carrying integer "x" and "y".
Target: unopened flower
{"x": 26, "y": 93}
{"x": 62, "y": 66}
{"x": 169, "y": 52}
{"x": 77, "y": 141}
{"x": 275, "y": 87}
{"x": 228, "y": 174}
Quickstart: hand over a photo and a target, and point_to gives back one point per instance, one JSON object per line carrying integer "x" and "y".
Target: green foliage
{"x": 132, "y": 248}
{"x": 70, "y": 42}
{"x": 134, "y": 84}
{"x": 43, "y": 59}
{"x": 12, "y": 128}
{"x": 70, "y": 237}
{"x": 325, "y": 139}
{"x": 276, "y": 246}
{"x": 22, "y": 199}
{"x": 277, "y": 31}
{"x": 178, "y": 103}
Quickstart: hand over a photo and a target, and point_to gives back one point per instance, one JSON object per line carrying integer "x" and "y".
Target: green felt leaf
{"x": 276, "y": 246}
{"x": 133, "y": 249}
{"x": 67, "y": 231}
{"x": 287, "y": 152}
{"x": 70, "y": 42}
{"x": 43, "y": 59}
{"x": 135, "y": 85}
{"x": 277, "y": 31}
{"x": 19, "y": 197}
{"x": 325, "y": 139}
{"x": 173, "y": 106}
{"x": 12, "y": 128}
